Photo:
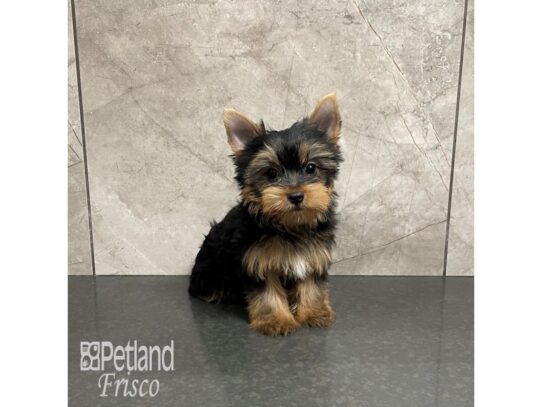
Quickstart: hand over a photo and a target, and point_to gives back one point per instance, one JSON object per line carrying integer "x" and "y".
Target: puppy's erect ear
{"x": 240, "y": 130}
{"x": 327, "y": 118}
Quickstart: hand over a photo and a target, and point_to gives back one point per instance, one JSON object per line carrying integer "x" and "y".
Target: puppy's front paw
{"x": 321, "y": 316}
{"x": 274, "y": 325}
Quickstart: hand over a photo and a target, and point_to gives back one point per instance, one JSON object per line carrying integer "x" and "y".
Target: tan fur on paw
{"x": 274, "y": 325}
{"x": 322, "y": 316}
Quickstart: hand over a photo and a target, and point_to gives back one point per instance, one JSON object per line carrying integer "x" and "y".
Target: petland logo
{"x": 103, "y": 356}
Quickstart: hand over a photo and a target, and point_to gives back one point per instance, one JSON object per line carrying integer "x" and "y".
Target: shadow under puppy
{"x": 273, "y": 250}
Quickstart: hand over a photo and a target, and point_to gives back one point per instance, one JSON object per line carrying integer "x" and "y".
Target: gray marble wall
{"x": 461, "y": 236}
{"x": 156, "y": 75}
{"x": 79, "y": 254}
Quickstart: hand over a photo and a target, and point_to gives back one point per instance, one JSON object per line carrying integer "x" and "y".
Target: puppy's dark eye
{"x": 271, "y": 173}
{"x": 310, "y": 168}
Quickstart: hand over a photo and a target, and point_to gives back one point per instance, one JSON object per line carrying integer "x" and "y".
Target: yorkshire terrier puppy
{"x": 272, "y": 251}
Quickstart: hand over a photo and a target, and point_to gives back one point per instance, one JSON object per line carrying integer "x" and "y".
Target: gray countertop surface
{"x": 397, "y": 341}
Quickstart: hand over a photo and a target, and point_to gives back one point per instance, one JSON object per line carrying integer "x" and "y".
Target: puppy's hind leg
{"x": 206, "y": 280}
{"x": 204, "y": 284}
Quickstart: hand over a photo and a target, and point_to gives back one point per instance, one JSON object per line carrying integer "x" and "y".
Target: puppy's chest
{"x": 296, "y": 259}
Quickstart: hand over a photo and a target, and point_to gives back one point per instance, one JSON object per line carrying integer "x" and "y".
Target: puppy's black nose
{"x": 295, "y": 197}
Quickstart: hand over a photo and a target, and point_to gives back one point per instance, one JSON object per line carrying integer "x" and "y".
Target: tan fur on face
{"x": 274, "y": 200}
{"x": 303, "y": 152}
{"x": 317, "y": 198}
{"x": 277, "y": 256}
{"x": 268, "y": 310}
{"x": 312, "y": 306}
{"x": 251, "y": 200}
{"x": 263, "y": 159}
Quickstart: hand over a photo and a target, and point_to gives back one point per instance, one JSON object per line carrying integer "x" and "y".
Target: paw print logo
{"x": 90, "y": 356}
